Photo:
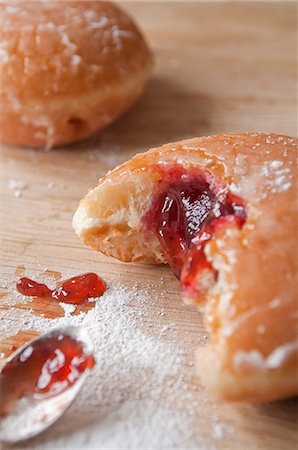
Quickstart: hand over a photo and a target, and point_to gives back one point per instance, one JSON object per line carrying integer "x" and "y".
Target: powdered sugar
{"x": 220, "y": 430}
{"x": 17, "y": 185}
{"x": 140, "y": 395}
{"x": 279, "y": 177}
{"x": 274, "y": 360}
{"x": 68, "y": 308}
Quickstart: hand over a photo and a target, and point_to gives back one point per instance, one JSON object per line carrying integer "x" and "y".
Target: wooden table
{"x": 219, "y": 67}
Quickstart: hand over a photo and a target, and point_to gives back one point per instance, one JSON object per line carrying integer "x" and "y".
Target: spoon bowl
{"x": 35, "y": 411}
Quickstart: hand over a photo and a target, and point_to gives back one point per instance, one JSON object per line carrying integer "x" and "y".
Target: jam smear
{"x": 47, "y": 367}
{"x": 187, "y": 208}
{"x": 33, "y": 289}
{"x": 75, "y": 290}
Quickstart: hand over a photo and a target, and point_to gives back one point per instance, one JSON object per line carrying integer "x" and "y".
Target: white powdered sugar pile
{"x": 141, "y": 394}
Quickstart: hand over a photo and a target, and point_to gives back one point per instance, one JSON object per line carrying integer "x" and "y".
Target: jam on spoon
{"x": 75, "y": 290}
{"x": 46, "y": 367}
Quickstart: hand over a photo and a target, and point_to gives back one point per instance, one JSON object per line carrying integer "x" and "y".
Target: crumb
{"x": 17, "y": 185}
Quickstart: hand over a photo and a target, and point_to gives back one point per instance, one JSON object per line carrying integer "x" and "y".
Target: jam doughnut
{"x": 222, "y": 211}
{"x": 68, "y": 69}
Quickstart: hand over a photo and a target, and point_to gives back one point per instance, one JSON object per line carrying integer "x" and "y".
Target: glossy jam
{"x": 47, "y": 367}
{"x": 33, "y": 289}
{"x": 198, "y": 274}
{"x": 75, "y": 290}
{"x": 186, "y": 210}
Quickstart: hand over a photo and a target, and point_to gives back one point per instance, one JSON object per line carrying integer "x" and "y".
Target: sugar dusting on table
{"x": 141, "y": 394}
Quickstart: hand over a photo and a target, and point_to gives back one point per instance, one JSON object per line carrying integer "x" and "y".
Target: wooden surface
{"x": 219, "y": 67}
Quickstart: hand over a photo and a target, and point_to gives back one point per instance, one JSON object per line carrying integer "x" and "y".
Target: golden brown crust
{"x": 67, "y": 69}
{"x": 251, "y": 312}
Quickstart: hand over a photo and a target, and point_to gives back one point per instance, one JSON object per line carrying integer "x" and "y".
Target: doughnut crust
{"x": 68, "y": 69}
{"x": 251, "y": 309}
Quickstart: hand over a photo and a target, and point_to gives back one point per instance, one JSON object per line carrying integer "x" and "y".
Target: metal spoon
{"x": 31, "y": 415}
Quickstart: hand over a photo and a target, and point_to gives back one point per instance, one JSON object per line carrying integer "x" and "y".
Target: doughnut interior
{"x": 248, "y": 288}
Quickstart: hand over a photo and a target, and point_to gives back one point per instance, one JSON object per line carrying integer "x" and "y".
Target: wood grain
{"x": 219, "y": 67}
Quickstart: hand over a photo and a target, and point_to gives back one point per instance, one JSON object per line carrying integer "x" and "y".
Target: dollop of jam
{"x": 75, "y": 290}
{"x": 47, "y": 367}
{"x": 187, "y": 209}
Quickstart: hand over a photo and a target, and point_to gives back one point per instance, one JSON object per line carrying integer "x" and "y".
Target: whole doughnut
{"x": 68, "y": 69}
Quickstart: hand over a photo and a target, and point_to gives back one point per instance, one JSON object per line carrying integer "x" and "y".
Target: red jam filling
{"x": 187, "y": 208}
{"x": 47, "y": 367}
{"x": 75, "y": 290}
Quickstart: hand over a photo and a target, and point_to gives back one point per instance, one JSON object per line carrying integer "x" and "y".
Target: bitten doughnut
{"x": 67, "y": 68}
{"x": 222, "y": 211}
